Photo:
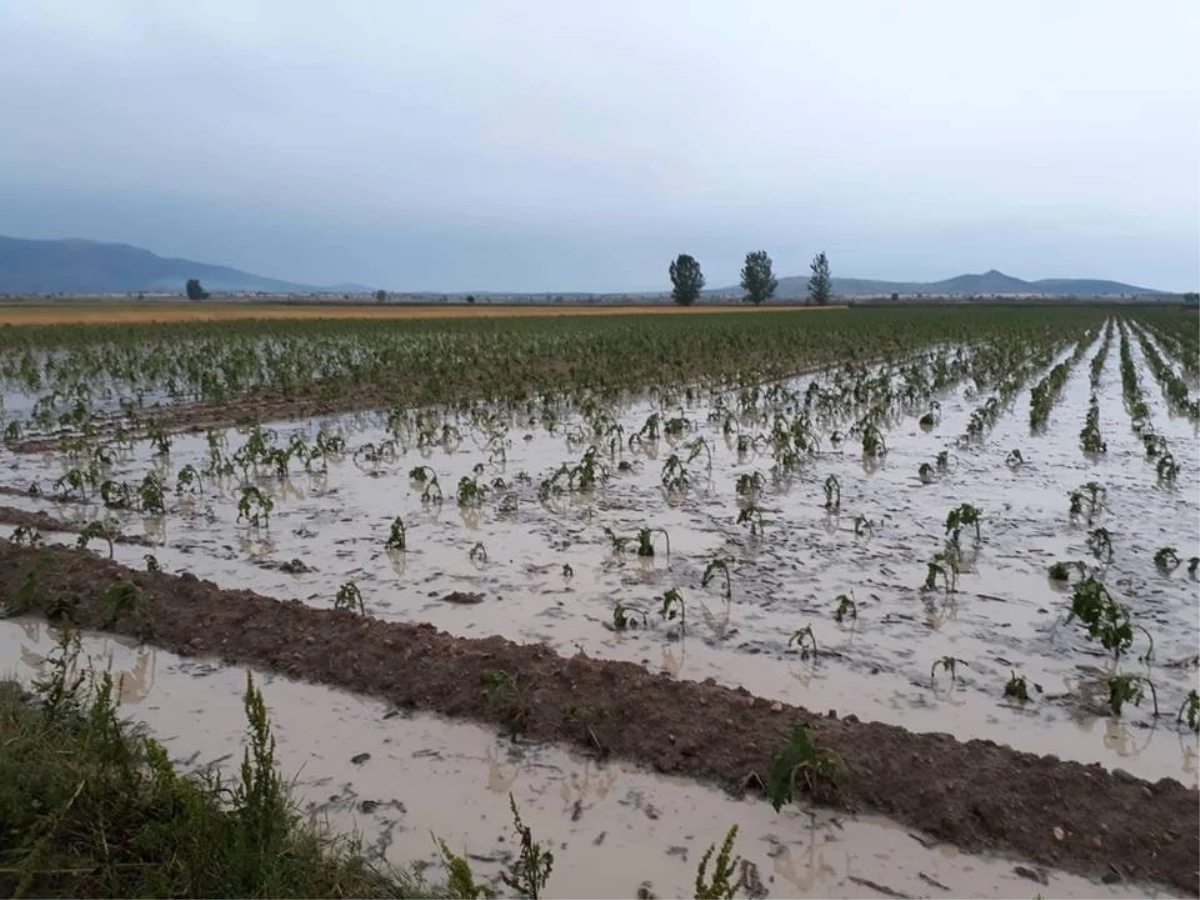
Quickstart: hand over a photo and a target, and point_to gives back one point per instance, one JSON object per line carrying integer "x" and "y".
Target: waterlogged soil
{"x": 394, "y": 777}
{"x": 545, "y": 572}
{"x": 976, "y": 795}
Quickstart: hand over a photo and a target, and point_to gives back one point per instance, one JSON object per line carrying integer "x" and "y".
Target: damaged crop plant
{"x": 967, "y": 505}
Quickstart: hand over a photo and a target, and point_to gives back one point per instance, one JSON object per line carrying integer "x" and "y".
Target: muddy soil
{"x": 977, "y": 795}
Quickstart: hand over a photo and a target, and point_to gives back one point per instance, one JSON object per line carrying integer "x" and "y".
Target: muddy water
{"x": 1005, "y": 617}
{"x": 397, "y": 778}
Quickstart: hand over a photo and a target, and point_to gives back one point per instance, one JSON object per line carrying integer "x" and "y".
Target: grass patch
{"x": 90, "y": 807}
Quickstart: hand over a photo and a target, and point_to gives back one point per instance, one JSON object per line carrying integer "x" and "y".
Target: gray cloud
{"x": 557, "y": 145}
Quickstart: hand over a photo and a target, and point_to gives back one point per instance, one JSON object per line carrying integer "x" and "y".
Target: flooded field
{"x": 873, "y": 538}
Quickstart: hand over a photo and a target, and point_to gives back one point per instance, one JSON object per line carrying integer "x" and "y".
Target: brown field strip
{"x": 99, "y": 313}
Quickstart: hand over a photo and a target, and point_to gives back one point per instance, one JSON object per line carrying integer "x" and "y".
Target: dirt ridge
{"x": 975, "y": 794}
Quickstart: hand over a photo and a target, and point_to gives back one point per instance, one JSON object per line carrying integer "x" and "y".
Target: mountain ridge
{"x": 82, "y": 266}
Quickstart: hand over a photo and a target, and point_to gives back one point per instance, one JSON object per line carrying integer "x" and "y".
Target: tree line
{"x": 758, "y": 279}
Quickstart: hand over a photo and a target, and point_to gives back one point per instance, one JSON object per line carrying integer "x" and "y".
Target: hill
{"x": 987, "y": 284}
{"x": 92, "y": 267}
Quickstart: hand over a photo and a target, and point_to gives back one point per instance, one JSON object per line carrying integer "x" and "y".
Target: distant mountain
{"x": 91, "y": 267}
{"x": 987, "y": 284}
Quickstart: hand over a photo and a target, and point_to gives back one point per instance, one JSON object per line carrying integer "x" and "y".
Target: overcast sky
{"x": 564, "y": 144}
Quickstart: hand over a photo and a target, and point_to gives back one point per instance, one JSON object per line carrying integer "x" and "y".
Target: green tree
{"x": 820, "y": 285}
{"x": 687, "y": 280}
{"x": 380, "y": 296}
{"x": 758, "y": 280}
{"x": 194, "y": 290}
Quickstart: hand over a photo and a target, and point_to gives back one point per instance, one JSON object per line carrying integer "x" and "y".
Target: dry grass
{"x": 102, "y": 313}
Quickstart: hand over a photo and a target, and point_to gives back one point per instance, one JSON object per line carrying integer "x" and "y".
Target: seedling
{"x": 945, "y": 461}
{"x": 151, "y": 563}
{"x": 628, "y": 616}
{"x": 863, "y": 526}
{"x": 1127, "y": 688}
{"x": 618, "y": 542}
{"x": 255, "y": 507}
{"x": 1189, "y": 711}
{"x": 1014, "y": 460}
{"x": 799, "y": 762}
{"x": 845, "y": 607}
{"x": 944, "y": 565}
{"x": 805, "y": 641}
{"x": 479, "y": 553}
{"x": 710, "y": 571}
{"x": 949, "y": 664}
{"x": 926, "y": 474}
{"x": 123, "y": 598}
{"x": 1105, "y": 618}
{"x": 672, "y": 607}
{"x": 1166, "y": 559}
{"x": 350, "y": 597}
{"x": 95, "y": 530}
{"x": 1193, "y": 565}
{"x": 833, "y": 494}
{"x": 1017, "y": 687}
{"x": 397, "y": 536}
{"x": 873, "y": 444}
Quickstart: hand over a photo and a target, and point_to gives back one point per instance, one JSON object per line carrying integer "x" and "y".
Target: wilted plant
{"x": 751, "y": 515}
{"x": 1127, "y": 688}
{"x": 833, "y": 493}
{"x": 470, "y": 491}
{"x": 645, "y": 541}
{"x": 626, "y": 616}
{"x": 350, "y": 597}
{"x": 949, "y": 664}
{"x": 749, "y": 484}
{"x": 1015, "y": 459}
{"x": 1099, "y": 543}
{"x": 1166, "y": 559}
{"x": 1017, "y": 687}
{"x": 188, "y": 480}
{"x": 26, "y": 535}
{"x": 255, "y": 506}
{"x": 151, "y": 563}
{"x": 945, "y": 461}
{"x": 675, "y": 476}
{"x": 72, "y": 481}
{"x": 863, "y": 526}
{"x": 397, "y": 538}
{"x": 673, "y": 607}
{"x": 151, "y": 495}
{"x": 944, "y": 565}
{"x": 1189, "y": 710}
{"x": 1105, "y": 618}
{"x": 1061, "y": 571}
{"x": 1087, "y": 501}
{"x": 478, "y": 553}
{"x": 845, "y": 607}
{"x": 805, "y": 641}
{"x": 710, "y": 571}
{"x": 873, "y": 444}
{"x": 926, "y": 473}
{"x": 964, "y": 516}
{"x": 1167, "y": 469}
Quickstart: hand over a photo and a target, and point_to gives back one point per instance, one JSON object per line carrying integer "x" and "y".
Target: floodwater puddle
{"x": 399, "y": 779}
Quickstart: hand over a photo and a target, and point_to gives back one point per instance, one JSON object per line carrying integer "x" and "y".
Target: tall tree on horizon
{"x": 758, "y": 279}
{"x": 686, "y": 279}
{"x": 820, "y": 285}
